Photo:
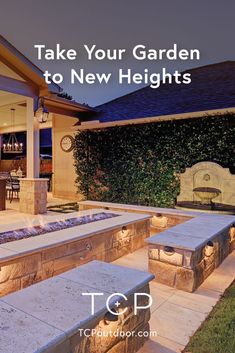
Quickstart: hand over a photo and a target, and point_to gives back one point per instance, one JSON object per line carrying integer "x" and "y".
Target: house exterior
{"x": 22, "y": 87}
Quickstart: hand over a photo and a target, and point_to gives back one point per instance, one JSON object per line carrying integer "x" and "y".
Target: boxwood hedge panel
{"x": 140, "y": 164}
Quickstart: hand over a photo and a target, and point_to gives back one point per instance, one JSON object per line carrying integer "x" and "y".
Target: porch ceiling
{"x": 18, "y": 102}
{"x": 23, "y": 67}
{"x": 20, "y": 76}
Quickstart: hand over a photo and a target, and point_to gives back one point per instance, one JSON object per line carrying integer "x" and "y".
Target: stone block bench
{"x": 54, "y": 316}
{"x": 161, "y": 218}
{"x": 185, "y": 255}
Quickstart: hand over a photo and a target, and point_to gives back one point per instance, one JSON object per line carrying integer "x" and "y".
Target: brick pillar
{"x": 33, "y": 195}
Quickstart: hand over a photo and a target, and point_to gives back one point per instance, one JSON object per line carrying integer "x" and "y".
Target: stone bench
{"x": 185, "y": 255}
{"x": 162, "y": 218}
{"x": 50, "y": 316}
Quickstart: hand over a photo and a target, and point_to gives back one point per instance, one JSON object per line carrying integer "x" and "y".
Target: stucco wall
{"x": 64, "y": 172}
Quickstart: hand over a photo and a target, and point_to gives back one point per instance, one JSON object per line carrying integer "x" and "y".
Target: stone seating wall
{"x": 54, "y": 316}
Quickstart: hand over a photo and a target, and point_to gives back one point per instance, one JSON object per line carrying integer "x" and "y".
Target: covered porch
{"x": 28, "y": 106}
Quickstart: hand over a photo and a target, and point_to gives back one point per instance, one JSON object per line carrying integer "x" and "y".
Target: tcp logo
{"x": 110, "y": 303}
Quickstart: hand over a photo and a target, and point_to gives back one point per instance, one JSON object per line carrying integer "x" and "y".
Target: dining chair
{"x": 12, "y": 187}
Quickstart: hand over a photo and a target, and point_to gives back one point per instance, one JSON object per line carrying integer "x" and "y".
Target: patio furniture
{"x": 13, "y": 173}
{"x": 12, "y": 187}
{"x": 2, "y": 193}
{"x": 4, "y": 175}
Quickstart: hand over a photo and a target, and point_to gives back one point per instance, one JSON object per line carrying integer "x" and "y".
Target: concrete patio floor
{"x": 176, "y": 315}
{"x": 11, "y": 218}
{"x": 14, "y": 205}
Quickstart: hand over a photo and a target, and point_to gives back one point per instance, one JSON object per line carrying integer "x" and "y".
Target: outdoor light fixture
{"x": 41, "y": 113}
{"x": 209, "y": 248}
{"x": 13, "y": 146}
{"x": 124, "y": 229}
{"x": 159, "y": 221}
{"x": 110, "y": 317}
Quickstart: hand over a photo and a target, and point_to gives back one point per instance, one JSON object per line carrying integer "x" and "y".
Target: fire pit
{"x": 206, "y": 194}
{"x": 33, "y": 231}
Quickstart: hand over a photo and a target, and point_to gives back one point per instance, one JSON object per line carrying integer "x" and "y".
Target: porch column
{"x": 33, "y": 147}
{"x": 33, "y": 190}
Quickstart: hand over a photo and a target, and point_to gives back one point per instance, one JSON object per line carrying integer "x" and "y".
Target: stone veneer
{"x": 60, "y": 251}
{"x": 127, "y": 322}
{"x": 184, "y": 256}
{"x": 162, "y": 218}
{"x": 232, "y": 238}
{"x": 49, "y": 317}
{"x": 33, "y": 195}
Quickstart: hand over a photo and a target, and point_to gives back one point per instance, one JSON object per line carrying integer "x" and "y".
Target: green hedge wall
{"x": 140, "y": 164}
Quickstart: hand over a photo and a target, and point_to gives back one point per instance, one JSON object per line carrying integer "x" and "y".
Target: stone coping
{"x": 34, "y": 179}
{"x": 19, "y": 248}
{"x": 193, "y": 234}
{"x": 145, "y": 209}
{"x": 43, "y": 316}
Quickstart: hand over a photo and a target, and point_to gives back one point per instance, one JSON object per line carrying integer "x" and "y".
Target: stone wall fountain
{"x": 208, "y": 186}
{"x": 206, "y": 194}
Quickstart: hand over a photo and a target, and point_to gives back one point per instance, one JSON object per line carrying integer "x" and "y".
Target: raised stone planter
{"x": 51, "y": 316}
{"x": 184, "y": 256}
{"x": 32, "y": 260}
{"x": 161, "y": 218}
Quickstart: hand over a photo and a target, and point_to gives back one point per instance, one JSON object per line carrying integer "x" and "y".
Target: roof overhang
{"x": 65, "y": 107}
{"x": 16, "y": 61}
{"x": 34, "y": 85}
{"x": 192, "y": 115}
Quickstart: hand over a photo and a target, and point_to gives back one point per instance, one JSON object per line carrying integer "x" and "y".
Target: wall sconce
{"x": 42, "y": 112}
{"x": 209, "y": 248}
{"x": 109, "y": 317}
{"x": 124, "y": 230}
{"x": 88, "y": 247}
{"x": 159, "y": 221}
{"x": 168, "y": 250}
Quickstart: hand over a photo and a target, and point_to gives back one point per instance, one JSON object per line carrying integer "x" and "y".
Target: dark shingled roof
{"x": 212, "y": 87}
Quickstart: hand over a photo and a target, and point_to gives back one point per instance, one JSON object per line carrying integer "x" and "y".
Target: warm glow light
{"x": 41, "y": 113}
{"x": 13, "y": 146}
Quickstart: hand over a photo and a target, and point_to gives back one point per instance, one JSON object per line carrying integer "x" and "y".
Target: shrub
{"x": 140, "y": 164}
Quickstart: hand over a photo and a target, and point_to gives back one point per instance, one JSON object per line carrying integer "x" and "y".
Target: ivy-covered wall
{"x": 140, "y": 164}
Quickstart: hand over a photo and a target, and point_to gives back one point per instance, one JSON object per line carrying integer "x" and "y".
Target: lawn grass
{"x": 217, "y": 333}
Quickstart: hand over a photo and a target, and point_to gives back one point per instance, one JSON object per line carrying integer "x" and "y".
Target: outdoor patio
{"x": 51, "y": 201}
{"x": 182, "y": 236}
{"x": 176, "y": 315}
{"x": 170, "y": 305}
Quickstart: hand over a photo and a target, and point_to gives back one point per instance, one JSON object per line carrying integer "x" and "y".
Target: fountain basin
{"x": 206, "y": 194}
